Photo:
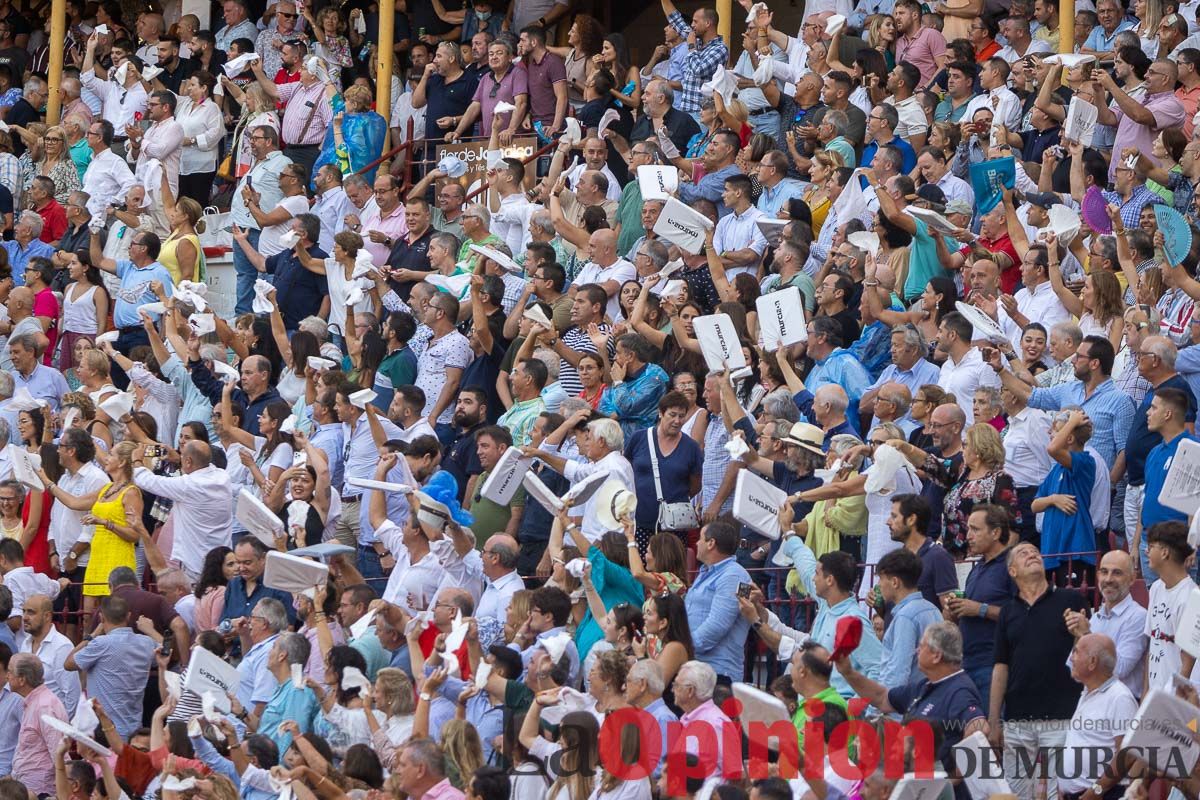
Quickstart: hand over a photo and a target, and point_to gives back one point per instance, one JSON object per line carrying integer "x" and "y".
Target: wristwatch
{"x": 983, "y": 610}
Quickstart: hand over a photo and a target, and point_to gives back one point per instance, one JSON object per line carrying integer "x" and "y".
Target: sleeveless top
{"x": 79, "y": 316}
{"x": 111, "y": 510}
{"x": 168, "y": 258}
{"x": 576, "y": 69}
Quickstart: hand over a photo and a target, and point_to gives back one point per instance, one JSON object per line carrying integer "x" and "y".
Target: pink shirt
{"x": 922, "y": 51}
{"x": 393, "y": 225}
{"x": 1168, "y": 113}
{"x": 443, "y": 791}
{"x": 708, "y": 712}
{"x": 209, "y": 609}
{"x": 33, "y": 763}
{"x": 45, "y": 304}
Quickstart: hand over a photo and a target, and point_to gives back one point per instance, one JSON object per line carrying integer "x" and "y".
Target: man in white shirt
{"x": 1005, "y": 106}
{"x": 202, "y": 509}
{"x": 173, "y": 584}
{"x": 1121, "y": 618}
{"x": 108, "y": 176}
{"x": 1101, "y": 719}
{"x": 595, "y": 159}
{"x": 606, "y": 270}
{"x": 44, "y": 640}
{"x": 913, "y": 126}
{"x": 331, "y": 206}
{"x": 1037, "y": 301}
{"x": 500, "y": 568}
{"x": 964, "y": 369}
{"x": 935, "y": 169}
{"x": 1021, "y": 43}
{"x": 510, "y": 219}
{"x": 122, "y": 98}
{"x": 81, "y": 477}
{"x": 24, "y": 583}
{"x": 1026, "y": 454}
{"x": 737, "y": 239}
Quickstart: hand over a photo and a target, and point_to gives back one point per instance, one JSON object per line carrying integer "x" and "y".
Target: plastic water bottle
{"x": 225, "y": 627}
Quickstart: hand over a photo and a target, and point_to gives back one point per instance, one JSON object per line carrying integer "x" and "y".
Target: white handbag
{"x": 671, "y": 516}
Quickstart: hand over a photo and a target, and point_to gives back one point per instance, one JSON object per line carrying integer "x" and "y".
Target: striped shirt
{"x": 296, "y": 98}
{"x": 1110, "y": 410}
{"x": 576, "y": 339}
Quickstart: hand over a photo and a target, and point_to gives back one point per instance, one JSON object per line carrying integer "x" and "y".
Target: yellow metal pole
{"x": 1066, "y": 27}
{"x": 58, "y": 35}
{"x": 383, "y": 70}
{"x": 725, "y": 20}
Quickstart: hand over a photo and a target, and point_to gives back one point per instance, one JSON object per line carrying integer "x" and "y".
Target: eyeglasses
{"x": 8, "y": 499}
{"x": 286, "y": 15}
{"x": 54, "y": 139}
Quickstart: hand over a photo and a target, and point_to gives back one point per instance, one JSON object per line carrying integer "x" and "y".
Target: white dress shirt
{"x": 66, "y": 526}
{"x": 1125, "y": 624}
{"x": 202, "y": 510}
{"x": 498, "y": 596}
{"x": 1026, "y": 447}
{"x": 511, "y": 221}
{"x": 1005, "y": 105}
{"x": 118, "y": 105}
{"x": 619, "y": 271}
{"x": 53, "y": 653}
{"x": 963, "y": 378}
{"x": 614, "y": 186}
{"x": 107, "y": 180}
{"x": 617, "y": 468}
{"x": 1041, "y": 304}
{"x": 204, "y": 124}
{"x": 737, "y": 232}
{"x": 955, "y": 188}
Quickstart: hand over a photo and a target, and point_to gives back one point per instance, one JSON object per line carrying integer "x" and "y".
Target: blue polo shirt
{"x": 988, "y": 582}
{"x": 135, "y": 290}
{"x": 447, "y": 100}
{"x": 288, "y": 702}
{"x": 1157, "y": 464}
{"x": 1141, "y": 439}
{"x": 298, "y": 291}
{"x": 953, "y": 701}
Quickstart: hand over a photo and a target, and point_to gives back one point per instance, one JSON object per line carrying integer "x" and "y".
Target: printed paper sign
{"x": 682, "y": 226}
{"x": 756, "y": 504}
{"x": 989, "y": 179}
{"x": 207, "y": 673}
{"x": 719, "y": 342}
{"x": 504, "y": 480}
{"x": 1181, "y": 488}
{"x": 658, "y": 183}
{"x": 1164, "y": 723}
{"x": 1081, "y": 122}
{"x": 781, "y": 318}
{"x": 292, "y": 574}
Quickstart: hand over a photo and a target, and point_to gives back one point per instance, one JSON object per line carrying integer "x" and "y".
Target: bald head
{"x": 1115, "y": 576}
{"x": 196, "y": 455}
{"x": 21, "y": 297}
{"x": 603, "y": 247}
{"x": 1094, "y": 659}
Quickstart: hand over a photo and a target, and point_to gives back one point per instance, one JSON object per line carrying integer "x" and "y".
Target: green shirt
{"x": 520, "y": 418}
{"x": 464, "y": 251}
{"x": 843, "y": 148}
{"x": 923, "y": 262}
{"x": 800, "y": 718}
{"x": 489, "y": 516}
{"x": 629, "y": 216}
{"x": 400, "y": 367}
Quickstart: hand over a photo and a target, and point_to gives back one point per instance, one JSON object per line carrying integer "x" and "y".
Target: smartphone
{"x": 156, "y": 451}
{"x": 744, "y": 590}
{"x": 165, "y": 649}
{"x": 250, "y": 182}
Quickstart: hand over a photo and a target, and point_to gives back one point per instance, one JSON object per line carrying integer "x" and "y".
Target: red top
{"x": 427, "y": 638}
{"x": 54, "y": 221}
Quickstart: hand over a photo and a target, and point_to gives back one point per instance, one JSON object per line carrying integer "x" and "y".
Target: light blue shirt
{"x": 737, "y": 232}
{"x": 775, "y": 198}
{"x": 710, "y": 187}
{"x": 117, "y": 666}
{"x": 44, "y": 383}
{"x": 921, "y": 374}
{"x": 18, "y": 258}
{"x": 196, "y": 406}
{"x": 664, "y": 716}
{"x": 1102, "y": 43}
{"x": 675, "y": 61}
{"x": 256, "y": 684}
{"x": 135, "y": 291}
{"x": 361, "y": 459}
{"x": 1110, "y": 410}
{"x": 842, "y": 368}
{"x": 328, "y": 439}
{"x": 369, "y": 646}
{"x": 572, "y": 653}
{"x": 223, "y": 766}
{"x": 12, "y": 706}
{"x": 868, "y": 656}
{"x": 910, "y": 617}
{"x": 718, "y": 628}
{"x": 263, "y": 177}
{"x": 487, "y": 719}
{"x": 288, "y": 702}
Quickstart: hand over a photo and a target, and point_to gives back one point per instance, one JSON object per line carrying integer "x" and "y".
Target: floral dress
{"x": 65, "y": 177}
{"x": 336, "y": 52}
{"x": 996, "y": 488}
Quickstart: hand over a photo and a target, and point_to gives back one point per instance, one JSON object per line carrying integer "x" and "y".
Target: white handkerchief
{"x": 173, "y": 783}
{"x": 208, "y": 706}
{"x": 736, "y": 447}
{"x": 122, "y": 73}
{"x": 298, "y": 514}
{"x": 23, "y": 400}
{"x": 492, "y": 158}
{"x": 319, "y": 364}
{"x": 298, "y": 676}
{"x": 100, "y": 29}
{"x": 85, "y": 718}
{"x": 609, "y": 118}
{"x": 503, "y": 107}
{"x": 834, "y": 24}
{"x": 364, "y": 623}
{"x": 575, "y": 567}
{"x": 225, "y": 372}
{"x": 764, "y": 73}
{"x": 752, "y": 14}
{"x": 458, "y": 633}
{"x": 556, "y": 645}
{"x": 352, "y": 678}
{"x": 363, "y": 264}
{"x": 572, "y": 131}
{"x": 362, "y": 397}
{"x": 261, "y": 304}
{"x": 186, "y": 293}
{"x": 118, "y": 405}
{"x": 202, "y": 324}
{"x": 174, "y": 683}
{"x": 482, "y": 673}
{"x": 453, "y": 166}
{"x": 151, "y": 72}
{"x": 234, "y": 66}
{"x": 355, "y": 295}
{"x": 153, "y": 308}
{"x": 289, "y": 239}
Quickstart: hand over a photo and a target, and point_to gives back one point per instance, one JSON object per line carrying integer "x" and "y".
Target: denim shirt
{"x": 718, "y": 628}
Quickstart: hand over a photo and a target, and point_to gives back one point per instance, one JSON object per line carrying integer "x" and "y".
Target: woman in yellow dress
{"x": 181, "y": 253}
{"x": 116, "y": 511}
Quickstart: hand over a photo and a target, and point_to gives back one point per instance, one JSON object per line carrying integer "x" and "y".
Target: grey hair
{"x": 506, "y": 555}
{"x": 1070, "y": 330}
{"x": 899, "y": 396}
{"x": 477, "y": 210}
{"x": 426, "y": 753}
{"x": 33, "y": 220}
{"x": 29, "y": 341}
{"x": 296, "y": 647}
{"x": 1164, "y": 348}
{"x": 838, "y": 119}
{"x": 34, "y": 84}
{"x": 452, "y": 50}
{"x": 122, "y": 576}
{"x": 273, "y": 613}
{"x": 550, "y": 359}
{"x": 657, "y": 252}
{"x": 835, "y": 395}
{"x": 315, "y": 325}
{"x": 1131, "y": 40}
{"x": 446, "y": 240}
{"x": 5, "y": 433}
{"x": 1108, "y": 248}
{"x": 1106, "y": 655}
{"x": 888, "y": 115}
{"x": 912, "y": 336}
{"x": 212, "y": 352}
{"x": 354, "y": 179}
{"x": 945, "y": 638}
{"x": 992, "y": 393}
{"x": 568, "y": 407}
{"x": 542, "y": 221}
{"x": 28, "y": 668}
{"x": 649, "y": 671}
{"x": 890, "y": 429}
{"x": 842, "y": 443}
{"x": 11, "y": 483}
{"x": 668, "y": 94}
{"x": 778, "y": 404}
{"x": 176, "y": 577}
{"x": 609, "y": 432}
{"x": 701, "y": 676}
